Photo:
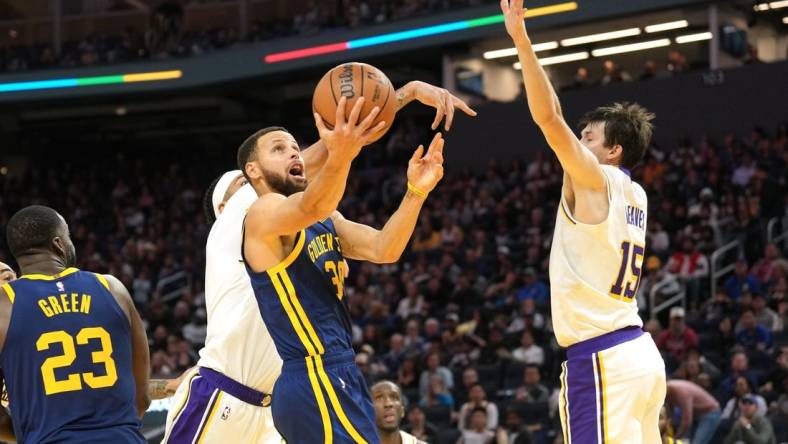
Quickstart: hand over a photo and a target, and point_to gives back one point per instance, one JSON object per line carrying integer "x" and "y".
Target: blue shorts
{"x": 321, "y": 396}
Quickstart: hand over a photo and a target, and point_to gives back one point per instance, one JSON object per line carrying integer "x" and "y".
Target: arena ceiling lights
{"x": 411, "y": 34}
{"x": 90, "y": 81}
{"x": 688, "y": 38}
{"x": 563, "y": 58}
{"x": 678, "y": 24}
{"x": 630, "y": 48}
{"x": 582, "y": 40}
{"x": 508, "y": 52}
{"x": 770, "y": 5}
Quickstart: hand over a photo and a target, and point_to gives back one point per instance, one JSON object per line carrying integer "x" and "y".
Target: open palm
{"x": 426, "y": 170}
{"x": 514, "y": 14}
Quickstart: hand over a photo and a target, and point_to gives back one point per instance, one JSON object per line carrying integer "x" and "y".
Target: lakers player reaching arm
{"x": 585, "y": 187}
{"x": 362, "y": 242}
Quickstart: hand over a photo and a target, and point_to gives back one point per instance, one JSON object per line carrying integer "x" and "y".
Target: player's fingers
{"x": 438, "y": 115}
{"x": 367, "y": 122}
{"x": 417, "y": 154}
{"x": 321, "y": 127}
{"x": 459, "y": 103}
{"x": 374, "y": 130}
{"x": 449, "y": 110}
{"x": 340, "y": 117}
{"x": 505, "y": 6}
{"x": 355, "y": 112}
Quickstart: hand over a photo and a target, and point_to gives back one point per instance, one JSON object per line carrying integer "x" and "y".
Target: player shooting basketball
{"x": 613, "y": 383}
{"x": 239, "y": 351}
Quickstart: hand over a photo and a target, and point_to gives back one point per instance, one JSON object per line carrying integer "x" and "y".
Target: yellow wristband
{"x": 416, "y": 191}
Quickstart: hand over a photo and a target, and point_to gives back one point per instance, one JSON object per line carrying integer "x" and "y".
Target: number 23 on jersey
{"x": 73, "y": 381}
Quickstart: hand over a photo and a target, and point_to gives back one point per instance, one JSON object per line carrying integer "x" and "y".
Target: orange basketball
{"x": 353, "y": 80}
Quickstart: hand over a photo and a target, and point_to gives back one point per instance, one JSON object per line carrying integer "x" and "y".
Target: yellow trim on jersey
{"x": 44, "y": 277}
{"x": 9, "y": 291}
{"x": 562, "y": 203}
{"x": 336, "y": 404}
{"x": 328, "y": 433}
{"x": 564, "y": 412}
{"x": 301, "y": 313}
{"x": 285, "y": 301}
{"x": 292, "y": 256}
{"x": 603, "y": 394}
{"x": 210, "y": 417}
{"x": 103, "y": 280}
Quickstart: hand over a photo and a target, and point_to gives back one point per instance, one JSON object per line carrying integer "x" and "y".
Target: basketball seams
{"x": 331, "y": 87}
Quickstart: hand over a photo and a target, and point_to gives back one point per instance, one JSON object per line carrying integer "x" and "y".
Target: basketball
{"x": 354, "y": 80}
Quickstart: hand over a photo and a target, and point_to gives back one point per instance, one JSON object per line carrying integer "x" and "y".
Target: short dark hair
{"x": 32, "y": 228}
{"x": 247, "y": 149}
{"x": 207, "y": 202}
{"x": 626, "y": 124}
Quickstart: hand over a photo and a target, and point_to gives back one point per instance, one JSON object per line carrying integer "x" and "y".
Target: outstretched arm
{"x": 386, "y": 245}
{"x": 441, "y": 99}
{"x": 578, "y": 162}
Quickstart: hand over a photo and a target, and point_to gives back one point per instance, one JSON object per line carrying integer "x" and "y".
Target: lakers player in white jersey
{"x": 613, "y": 382}
{"x": 226, "y": 397}
{"x": 389, "y": 411}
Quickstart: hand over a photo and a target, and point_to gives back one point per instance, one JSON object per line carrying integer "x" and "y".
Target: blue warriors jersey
{"x": 67, "y": 361}
{"x": 301, "y": 298}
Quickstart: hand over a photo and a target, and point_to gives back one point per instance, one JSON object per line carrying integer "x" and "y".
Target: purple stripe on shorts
{"x": 601, "y": 397}
{"x": 188, "y": 423}
{"x": 599, "y": 343}
{"x": 581, "y": 394}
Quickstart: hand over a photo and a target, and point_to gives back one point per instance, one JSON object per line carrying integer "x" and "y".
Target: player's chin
{"x": 298, "y": 182}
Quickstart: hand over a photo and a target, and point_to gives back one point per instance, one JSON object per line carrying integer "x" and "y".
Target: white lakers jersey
{"x": 407, "y": 438}
{"x": 237, "y": 342}
{"x": 595, "y": 269}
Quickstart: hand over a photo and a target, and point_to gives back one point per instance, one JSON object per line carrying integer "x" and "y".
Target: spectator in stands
{"x": 477, "y": 398}
{"x": 477, "y": 433}
{"x": 532, "y": 389}
{"x": 582, "y": 78}
{"x": 393, "y": 358}
{"x": 743, "y": 389}
{"x": 656, "y": 279}
{"x": 528, "y": 352}
{"x": 740, "y": 367}
{"x": 515, "y": 429}
{"x": 677, "y": 62}
{"x": 418, "y": 425}
{"x": 678, "y": 338}
{"x": 425, "y": 238}
{"x": 533, "y": 288}
{"x": 437, "y": 394}
{"x": 434, "y": 368}
{"x": 764, "y": 269}
{"x": 779, "y": 416}
{"x": 529, "y": 318}
{"x": 753, "y": 336}
{"x": 700, "y": 412}
{"x": 764, "y": 315}
{"x": 412, "y": 304}
{"x": 751, "y": 427}
{"x": 691, "y": 266}
{"x": 649, "y": 70}
{"x": 745, "y": 171}
{"x": 407, "y": 377}
{"x": 470, "y": 378}
{"x": 613, "y": 73}
{"x": 741, "y": 281}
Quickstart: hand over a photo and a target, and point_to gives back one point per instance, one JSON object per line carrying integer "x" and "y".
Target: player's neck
{"x": 40, "y": 263}
{"x": 387, "y": 437}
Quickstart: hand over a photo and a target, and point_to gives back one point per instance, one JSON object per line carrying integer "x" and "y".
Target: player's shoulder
{"x": 407, "y": 438}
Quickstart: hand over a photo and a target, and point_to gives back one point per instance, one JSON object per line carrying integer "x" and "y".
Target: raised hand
{"x": 425, "y": 172}
{"x": 347, "y": 137}
{"x": 439, "y": 98}
{"x": 514, "y": 15}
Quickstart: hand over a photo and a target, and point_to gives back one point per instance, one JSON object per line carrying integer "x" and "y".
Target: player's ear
{"x": 252, "y": 170}
{"x": 615, "y": 153}
{"x": 58, "y": 246}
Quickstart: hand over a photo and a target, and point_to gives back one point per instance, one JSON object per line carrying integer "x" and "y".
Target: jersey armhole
{"x": 103, "y": 281}
{"x": 9, "y": 291}
{"x": 565, "y": 206}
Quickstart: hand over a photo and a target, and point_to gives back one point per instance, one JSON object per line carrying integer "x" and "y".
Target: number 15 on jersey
{"x": 629, "y": 274}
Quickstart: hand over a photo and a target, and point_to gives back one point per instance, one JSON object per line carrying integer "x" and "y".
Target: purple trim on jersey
{"x": 599, "y": 343}
{"x": 235, "y": 388}
{"x": 626, "y": 171}
{"x": 190, "y": 421}
{"x": 582, "y": 396}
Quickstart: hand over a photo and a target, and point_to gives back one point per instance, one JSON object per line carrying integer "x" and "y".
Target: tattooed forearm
{"x": 405, "y": 95}
{"x": 157, "y": 389}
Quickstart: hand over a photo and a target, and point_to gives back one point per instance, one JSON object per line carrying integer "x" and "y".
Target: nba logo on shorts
{"x": 226, "y": 413}
{"x": 60, "y": 287}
